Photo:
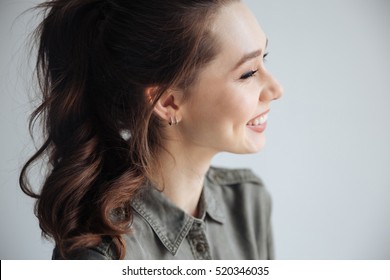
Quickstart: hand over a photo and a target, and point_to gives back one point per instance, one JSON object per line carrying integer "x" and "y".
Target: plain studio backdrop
{"x": 327, "y": 158}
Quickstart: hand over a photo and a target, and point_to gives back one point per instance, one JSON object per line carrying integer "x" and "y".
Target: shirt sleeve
{"x": 82, "y": 254}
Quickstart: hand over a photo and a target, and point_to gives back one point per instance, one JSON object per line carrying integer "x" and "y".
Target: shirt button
{"x": 200, "y": 248}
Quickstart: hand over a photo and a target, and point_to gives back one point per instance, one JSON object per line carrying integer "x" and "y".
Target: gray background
{"x": 327, "y": 159}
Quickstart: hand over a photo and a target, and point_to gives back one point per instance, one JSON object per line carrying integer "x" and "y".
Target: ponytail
{"x": 79, "y": 143}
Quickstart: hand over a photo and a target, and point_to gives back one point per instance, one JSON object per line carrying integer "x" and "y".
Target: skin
{"x": 214, "y": 117}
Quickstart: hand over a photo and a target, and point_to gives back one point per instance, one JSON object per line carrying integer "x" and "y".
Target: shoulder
{"x": 239, "y": 186}
{"x": 104, "y": 251}
{"x": 227, "y": 176}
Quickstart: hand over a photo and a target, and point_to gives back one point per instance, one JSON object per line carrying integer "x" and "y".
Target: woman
{"x": 138, "y": 96}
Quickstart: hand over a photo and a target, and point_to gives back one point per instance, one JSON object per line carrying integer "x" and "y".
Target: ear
{"x": 168, "y": 105}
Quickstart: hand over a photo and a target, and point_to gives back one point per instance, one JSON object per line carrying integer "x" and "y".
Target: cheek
{"x": 224, "y": 103}
{"x": 241, "y": 104}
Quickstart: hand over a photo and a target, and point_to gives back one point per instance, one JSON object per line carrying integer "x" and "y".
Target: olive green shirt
{"x": 234, "y": 223}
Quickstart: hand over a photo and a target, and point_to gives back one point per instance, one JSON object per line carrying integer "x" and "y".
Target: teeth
{"x": 259, "y": 121}
{"x": 263, "y": 119}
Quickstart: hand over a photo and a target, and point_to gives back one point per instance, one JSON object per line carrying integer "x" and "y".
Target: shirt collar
{"x": 170, "y": 223}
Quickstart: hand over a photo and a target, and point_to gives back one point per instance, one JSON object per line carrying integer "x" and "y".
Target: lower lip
{"x": 257, "y": 128}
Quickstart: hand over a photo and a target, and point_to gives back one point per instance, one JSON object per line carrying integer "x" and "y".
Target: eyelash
{"x": 253, "y": 72}
{"x": 248, "y": 75}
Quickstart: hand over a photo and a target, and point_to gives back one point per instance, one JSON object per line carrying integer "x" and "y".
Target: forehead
{"x": 237, "y": 32}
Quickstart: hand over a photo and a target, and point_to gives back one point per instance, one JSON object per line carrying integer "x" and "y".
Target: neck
{"x": 182, "y": 173}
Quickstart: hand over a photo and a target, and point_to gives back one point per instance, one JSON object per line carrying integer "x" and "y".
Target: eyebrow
{"x": 249, "y": 56}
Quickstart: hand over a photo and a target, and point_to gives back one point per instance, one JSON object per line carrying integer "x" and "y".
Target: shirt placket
{"x": 198, "y": 241}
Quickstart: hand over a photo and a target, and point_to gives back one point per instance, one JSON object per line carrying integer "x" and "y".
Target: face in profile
{"x": 228, "y": 106}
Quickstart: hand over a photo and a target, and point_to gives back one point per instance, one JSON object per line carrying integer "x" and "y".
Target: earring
{"x": 173, "y": 121}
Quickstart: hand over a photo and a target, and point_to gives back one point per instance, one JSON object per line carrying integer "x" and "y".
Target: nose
{"x": 272, "y": 89}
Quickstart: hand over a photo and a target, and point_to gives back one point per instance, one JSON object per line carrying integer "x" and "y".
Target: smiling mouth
{"x": 259, "y": 120}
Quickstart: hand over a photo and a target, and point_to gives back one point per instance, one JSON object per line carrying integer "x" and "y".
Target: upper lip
{"x": 258, "y": 116}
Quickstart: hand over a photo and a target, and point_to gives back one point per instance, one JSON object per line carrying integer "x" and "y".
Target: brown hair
{"x": 95, "y": 59}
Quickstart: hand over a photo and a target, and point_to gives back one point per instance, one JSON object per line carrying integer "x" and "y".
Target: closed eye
{"x": 248, "y": 75}
{"x": 253, "y": 72}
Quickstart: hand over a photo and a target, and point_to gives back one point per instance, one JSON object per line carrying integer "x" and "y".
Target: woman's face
{"x": 229, "y": 103}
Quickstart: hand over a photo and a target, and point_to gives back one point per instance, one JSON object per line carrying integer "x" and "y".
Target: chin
{"x": 256, "y": 149}
{"x": 256, "y": 145}
{"x": 250, "y": 147}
